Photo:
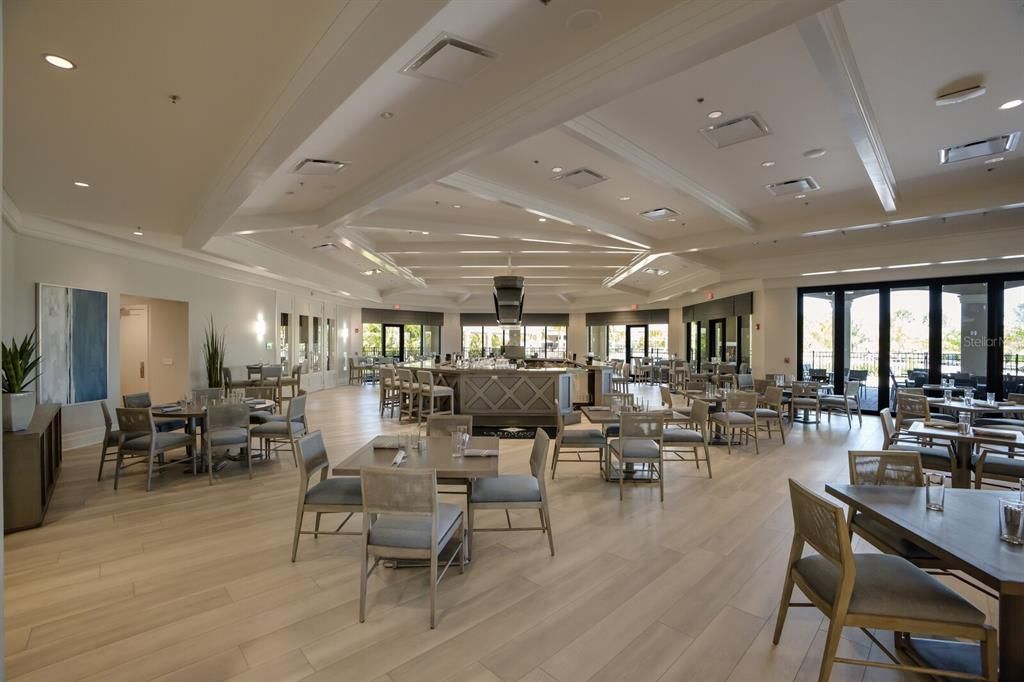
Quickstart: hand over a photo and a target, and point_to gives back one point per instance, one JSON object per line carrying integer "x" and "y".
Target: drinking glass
{"x": 990, "y": 398}
{"x": 935, "y": 492}
{"x": 947, "y": 395}
{"x": 1020, "y": 488}
{"x": 1011, "y": 521}
{"x": 963, "y": 424}
{"x": 459, "y": 438}
{"x": 968, "y": 397}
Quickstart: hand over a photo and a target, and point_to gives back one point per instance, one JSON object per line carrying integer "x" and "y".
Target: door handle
{"x": 142, "y": 369}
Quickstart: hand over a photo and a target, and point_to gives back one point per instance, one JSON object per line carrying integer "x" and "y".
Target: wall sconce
{"x": 343, "y": 332}
{"x": 260, "y": 327}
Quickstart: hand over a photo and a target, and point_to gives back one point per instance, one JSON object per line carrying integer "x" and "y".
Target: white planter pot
{"x": 18, "y": 409}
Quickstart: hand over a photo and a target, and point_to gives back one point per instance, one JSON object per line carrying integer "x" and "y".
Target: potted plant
{"x": 213, "y": 353}
{"x": 19, "y": 361}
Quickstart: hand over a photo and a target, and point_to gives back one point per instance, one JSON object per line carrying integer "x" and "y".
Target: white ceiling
{"x": 263, "y": 87}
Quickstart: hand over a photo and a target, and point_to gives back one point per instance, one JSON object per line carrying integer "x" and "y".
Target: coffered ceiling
{"x": 450, "y": 181}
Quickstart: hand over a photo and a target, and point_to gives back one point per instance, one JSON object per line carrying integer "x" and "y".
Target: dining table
{"x": 965, "y": 537}
{"x": 963, "y": 443}
{"x": 605, "y": 416}
{"x": 976, "y": 407}
{"x": 194, "y": 416}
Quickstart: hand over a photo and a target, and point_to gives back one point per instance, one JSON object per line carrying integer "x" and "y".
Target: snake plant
{"x": 213, "y": 353}
{"x": 20, "y": 361}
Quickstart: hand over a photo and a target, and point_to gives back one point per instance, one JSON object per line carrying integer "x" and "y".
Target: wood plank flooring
{"x": 194, "y": 583}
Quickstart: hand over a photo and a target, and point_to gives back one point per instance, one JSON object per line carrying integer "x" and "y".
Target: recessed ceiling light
{"x": 671, "y": 220}
{"x": 477, "y": 236}
{"x": 79, "y": 183}
{"x": 372, "y": 271}
{"x": 1012, "y": 104}
{"x": 589, "y": 230}
{"x": 800, "y": 196}
{"x": 542, "y": 214}
{"x": 962, "y": 260}
{"x": 542, "y": 220}
{"x": 767, "y": 164}
{"x": 715, "y": 114}
{"x": 557, "y": 169}
{"x": 996, "y": 159}
{"x": 386, "y": 115}
{"x": 424, "y": 232}
{"x": 246, "y": 232}
{"x": 823, "y": 272}
{"x": 814, "y": 153}
{"x": 58, "y": 61}
{"x": 624, "y": 198}
{"x": 137, "y": 232}
{"x": 693, "y": 250}
{"x": 456, "y": 205}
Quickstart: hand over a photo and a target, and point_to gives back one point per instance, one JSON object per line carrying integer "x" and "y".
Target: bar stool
{"x": 408, "y": 394}
{"x": 620, "y": 381}
{"x": 432, "y": 393}
{"x": 389, "y": 394}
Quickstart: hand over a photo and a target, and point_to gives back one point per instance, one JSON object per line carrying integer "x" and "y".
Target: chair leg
{"x": 433, "y": 588}
{"x": 546, "y": 515}
{"x": 362, "y": 580}
{"x": 835, "y": 632}
{"x": 209, "y": 463}
{"x": 149, "y": 472}
{"x": 103, "y": 458}
{"x": 782, "y": 431}
{"x": 316, "y": 525}
{"x": 469, "y": 524}
{"x": 780, "y": 620}
{"x": 707, "y": 458}
{"x": 298, "y": 527}
{"x": 120, "y": 459}
{"x": 554, "y": 459}
{"x": 729, "y": 433}
{"x": 990, "y": 657}
{"x": 462, "y": 550}
{"x": 661, "y": 478}
{"x": 622, "y": 476}
{"x": 757, "y": 449}
{"x": 248, "y": 457}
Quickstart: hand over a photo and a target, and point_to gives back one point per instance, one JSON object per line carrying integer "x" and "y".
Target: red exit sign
{"x": 709, "y": 294}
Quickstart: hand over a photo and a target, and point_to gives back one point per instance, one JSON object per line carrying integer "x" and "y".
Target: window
{"x": 908, "y": 337}
{"x": 472, "y": 341}
{"x": 372, "y": 339}
{"x": 329, "y": 344}
{"x": 657, "y": 340}
{"x": 617, "y": 342}
{"x": 315, "y": 345}
{"x": 282, "y": 340}
{"x": 1013, "y": 337}
{"x": 413, "y": 341}
{"x": 817, "y": 342}
{"x": 965, "y": 334}
{"x": 303, "y": 342}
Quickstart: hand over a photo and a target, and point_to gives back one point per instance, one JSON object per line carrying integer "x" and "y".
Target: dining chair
{"x": 666, "y": 401}
{"x": 760, "y": 385}
{"x": 136, "y": 400}
{"x": 871, "y": 591}
{"x": 228, "y": 383}
{"x": 846, "y": 403}
{"x": 806, "y": 396}
{"x": 744, "y": 382}
{"x": 328, "y": 495}
{"x": 270, "y": 376}
{"x": 207, "y": 394}
{"x": 408, "y": 394}
{"x": 515, "y": 491}
{"x": 620, "y": 378}
{"x": 227, "y": 427}
{"x": 739, "y": 416}
{"x": 433, "y": 393}
{"x": 771, "y": 409}
{"x": 994, "y": 463}
{"x": 111, "y": 438}
{"x": 140, "y": 441}
{"x": 284, "y": 431}
{"x": 355, "y": 372}
{"x": 402, "y": 519}
{"x": 577, "y": 441}
{"x": 640, "y": 442}
{"x": 389, "y": 396}
{"x": 625, "y": 400}
{"x": 677, "y": 440}
{"x": 933, "y": 457}
{"x": 914, "y": 407}
{"x": 446, "y": 424}
{"x": 261, "y": 393}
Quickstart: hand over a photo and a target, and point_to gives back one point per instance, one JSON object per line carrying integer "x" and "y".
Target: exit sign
{"x": 709, "y": 294}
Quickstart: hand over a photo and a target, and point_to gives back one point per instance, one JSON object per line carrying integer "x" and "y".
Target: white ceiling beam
{"x": 278, "y": 222}
{"x": 826, "y": 40}
{"x": 595, "y": 134}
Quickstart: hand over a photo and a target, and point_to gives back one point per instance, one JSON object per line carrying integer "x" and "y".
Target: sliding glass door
{"x": 1013, "y": 337}
{"x": 909, "y": 322}
{"x": 394, "y": 342}
{"x": 636, "y": 341}
{"x": 860, "y": 343}
{"x": 818, "y": 343}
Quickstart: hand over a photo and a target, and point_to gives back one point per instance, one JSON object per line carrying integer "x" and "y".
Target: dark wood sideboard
{"x": 31, "y": 464}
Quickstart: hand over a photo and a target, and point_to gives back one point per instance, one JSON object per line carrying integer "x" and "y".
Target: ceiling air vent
{"x": 656, "y": 215}
{"x": 318, "y": 167}
{"x": 580, "y": 178}
{"x": 736, "y": 130}
{"x": 325, "y": 245}
{"x": 974, "y": 150}
{"x": 449, "y": 59}
{"x": 789, "y": 187}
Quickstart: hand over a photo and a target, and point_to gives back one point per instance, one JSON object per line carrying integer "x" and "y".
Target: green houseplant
{"x": 20, "y": 362}
{"x": 213, "y": 354}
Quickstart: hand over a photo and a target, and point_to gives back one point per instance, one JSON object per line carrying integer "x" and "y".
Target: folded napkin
{"x": 472, "y": 452}
{"x": 599, "y": 409}
{"x": 941, "y": 425}
{"x": 171, "y": 408}
{"x": 995, "y": 433}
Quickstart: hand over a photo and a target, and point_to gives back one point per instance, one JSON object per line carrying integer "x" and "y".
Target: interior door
{"x": 394, "y": 342}
{"x": 636, "y": 341}
{"x": 134, "y": 349}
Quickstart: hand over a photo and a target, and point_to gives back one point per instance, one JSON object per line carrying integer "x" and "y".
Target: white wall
{"x": 577, "y": 333}
{"x": 451, "y": 334}
{"x": 775, "y": 341}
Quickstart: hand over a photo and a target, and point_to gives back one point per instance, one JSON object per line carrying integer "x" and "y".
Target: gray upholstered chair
{"x": 408, "y": 394}
{"x": 446, "y": 424}
{"x": 402, "y": 519}
{"x": 111, "y": 438}
{"x": 640, "y": 442}
{"x": 356, "y": 372}
{"x": 515, "y": 491}
{"x": 286, "y": 431}
{"x": 209, "y": 394}
{"x": 261, "y": 393}
{"x": 998, "y": 464}
{"x": 227, "y": 427}
{"x": 771, "y": 410}
{"x": 136, "y": 400}
{"x": 298, "y": 414}
{"x": 806, "y": 397}
{"x": 745, "y": 382}
{"x": 140, "y": 441}
{"x": 846, "y": 403}
{"x": 229, "y": 383}
{"x": 677, "y": 440}
{"x": 933, "y": 457}
{"x": 871, "y": 591}
{"x": 667, "y": 403}
{"x": 577, "y": 441}
{"x": 431, "y": 393}
{"x": 270, "y": 376}
{"x": 914, "y": 407}
{"x": 739, "y": 416}
{"x": 329, "y": 495}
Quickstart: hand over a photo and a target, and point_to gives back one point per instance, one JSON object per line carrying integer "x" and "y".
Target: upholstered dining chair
{"x": 998, "y": 464}
{"x": 408, "y": 394}
{"x": 446, "y": 424}
{"x": 328, "y": 495}
{"x": 914, "y": 407}
{"x": 666, "y": 401}
{"x": 577, "y": 441}
{"x": 389, "y": 396}
{"x": 640, "y": 442}
{"x": 136, "y": 400}
{"x": 871, "y": 591}
{"x": 434, "y": 395}
{"x": 111, "y": 438}
{"x": 208, "y": 394}
{"x": 228, "y": 383}
{"x": 261, "y": 393}
{"x": 806, "y": 396}
{"x": 933, "y": 457}
{"x": 141, "y": 442}
{"x": 515, "y": 491}
{"x": 227, "y": 427}
{"x": 771, "y": 410}
{"x": 738, "y": 417}
{"x": 402, "y": 519}
{"x": 286, "y": 431}
{"x": 846, "y": 403}
{"x": 677, "y": 440}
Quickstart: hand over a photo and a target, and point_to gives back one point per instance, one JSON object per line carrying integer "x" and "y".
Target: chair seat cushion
{"x": 277, "y": 429}
{"x": 583, "y": 437}
{"x": 839, "y": 401}
{"x": 678, "y": 435}
{"x": 113, "y": 438}
{"x": 282, "y": 418}
{"x": 805, "y": 402}
{"x": 735, "y": 418}
{"x": 999, "y": 421}
{"x": 260, "y": 417}
{"x": 164, "y": 441}
{"x": 931, "y": 457}
{"x": 611, "y": 430}
{"x": 767, "y": 413}
{"x": 636, "y": 449}
{"x": 413, "y": 532}
{"x": 228, "y": 436}
{"x": 338, "y": 490}
{"x": 891, "y": 538}
{"x": 439, "y": 390}
{"x": 507, "y": 488}
{"x": 998, "y": 465}
{"x": 890, "y": 586}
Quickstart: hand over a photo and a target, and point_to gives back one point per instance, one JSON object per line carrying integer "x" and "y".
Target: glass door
{"x": 818, "y": 335}
{"x": 1013, "y": 338}
{"x": 617, "y": 342}
{"x": 716, "y": 341}
{"x": 394, "y": 342}
{"x": 413, "y": 336}
{"x": 909, "y": 324}
{"x": 303, "y": 354}
{"x": 860, "y": 345}
{"x": 636, "y": 341}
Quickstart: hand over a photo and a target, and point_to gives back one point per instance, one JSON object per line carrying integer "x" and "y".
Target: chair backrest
{"x": 745, "y": 381}
{"x": 773, "y": 395}
{"x": 885, "y": 467}
{"x": 911, "y": 405}
{"x": 666, "y": 397}
{"x": 852, "y": 389}
{"x": 806, "y": 389}
{"x": 699, "y": 416}
{"x": 393, "y": 490}
{"x": 446, "y": 424}
{"x": 297, "y": 370}
{"x": 225, "y": 374}
{"x": 404, "y": 378}
{"x": 857, "y": 375}
{"x": 137, "y": 400}
{"x": 260, "y": 392}
{"x": 569, "y": 419}
{"x": 425, "y": 378}
{"x": 642, "y": 425}
{"x": 741, "y": 401}
{"x": 351, "y": 363}
{"x": 271, "y": 372}
{"x": 624, "y": 398}
{"x": 135, "y": 421}
{"x": 912, "y": 390}
{"x": 696, "y": 385}
{"x": 1016, "y": 398}
{"x": 539, "y": 455}
{"x": 227, "y": 417}
{"x": 312, "y": 459}
{"x": 297, "y": 408}
{"x": 209, "y": 393}
{"x": 888, "y": 427}
{"x": 387, "y": 376}
{"x": 818, "y": 374}
{"x": 820, "y": 524}
{"x": 107, "y": 421}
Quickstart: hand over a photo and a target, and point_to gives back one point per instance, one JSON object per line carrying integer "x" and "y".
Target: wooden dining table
{"x": 963, "y": 444}
{"x": 965, "y": 536}
{"x": 194, "y": 416}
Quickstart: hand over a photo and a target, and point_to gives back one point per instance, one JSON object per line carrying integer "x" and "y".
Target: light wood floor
{"x": 194, "y": 583}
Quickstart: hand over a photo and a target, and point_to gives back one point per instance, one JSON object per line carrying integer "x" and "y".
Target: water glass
{"x": 459, "y": 440}
{"x": 935, "y": 492}
{"x": 947, "y": 395}
{"x": 968, "y": 397}
{"x": 1011, "y": 521}
{"x": 963, "y": 424}
{"x": 1020, "y": 488}
{"x": 990, "y": 398}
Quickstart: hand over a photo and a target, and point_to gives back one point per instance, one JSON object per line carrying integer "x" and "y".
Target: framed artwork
{"x": 72, "y": 345}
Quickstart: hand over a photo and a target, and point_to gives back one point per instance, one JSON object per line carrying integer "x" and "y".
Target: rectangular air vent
{"x": 736, "y": 130}
{"x": 449, "y": 59}
{"x": 975, "y": 150}
{"x": 580, "y": 178}
{"x": 790, "y": 187}
{"x": 656, "y": 215}
{"x": 325, "y": 245}
{"x": 318, "y": 167}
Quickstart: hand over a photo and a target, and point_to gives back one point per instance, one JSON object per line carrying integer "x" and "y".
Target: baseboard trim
{"x": 83, "y": 438}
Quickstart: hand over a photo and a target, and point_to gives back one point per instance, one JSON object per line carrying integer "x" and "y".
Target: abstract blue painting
{"x": 72, "y": 345}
